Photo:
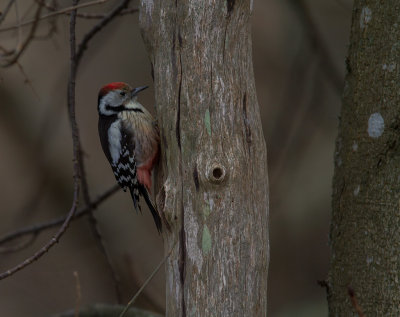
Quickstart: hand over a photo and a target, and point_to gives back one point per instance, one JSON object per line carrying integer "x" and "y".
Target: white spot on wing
{"x": 114, "y": 140}
{"x": 376, "y": 125}
{"x": 355, "y": 146}
{"x": 122, "y": 178}
{"x": 123, "y": 166}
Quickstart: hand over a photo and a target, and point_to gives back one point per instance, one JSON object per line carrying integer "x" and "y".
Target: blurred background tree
{"x": 293, "y": 42}
{"x": 365, "y": 235}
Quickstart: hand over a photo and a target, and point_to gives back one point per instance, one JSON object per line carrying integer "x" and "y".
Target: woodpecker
{"x": 130, "y": 140}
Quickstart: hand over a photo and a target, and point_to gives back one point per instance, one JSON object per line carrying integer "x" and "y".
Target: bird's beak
{"x": 135, "y": 91}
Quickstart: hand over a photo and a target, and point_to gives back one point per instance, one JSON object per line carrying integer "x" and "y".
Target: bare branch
{"x": 63, "y": 11}
{"x": 39, "y": 228}
{"x": 102, "y": 16}
{"x": 52, "y": 241}
{"x": 148, "y": 280}
{"x": 27, "y": 80}
{"x": 5, "y": 12}
{"x": 93, "y": 222}
{"x": 90, "y": 15}
{"x": 329, "y": 69}
{"x": 19, "y": 246}
{"x": 107, "y": 19}
{"x": 19, "y": 33}
{"x": 76, "y": 149}
{"x": 21, "y": 48}
{"x": 78, "y": 294}
{"x": 79, "y": 167}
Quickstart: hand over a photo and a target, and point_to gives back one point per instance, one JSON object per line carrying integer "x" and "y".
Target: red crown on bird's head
{"x": 112, "y": 86}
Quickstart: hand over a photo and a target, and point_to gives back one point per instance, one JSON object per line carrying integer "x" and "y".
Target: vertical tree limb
{"x": 365, "y": 226}
{"x": 214, "y": 183}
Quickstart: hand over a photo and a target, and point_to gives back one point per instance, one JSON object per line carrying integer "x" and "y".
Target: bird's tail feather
{"x": 135, "y": 197}
{"x": 153, "y": 209}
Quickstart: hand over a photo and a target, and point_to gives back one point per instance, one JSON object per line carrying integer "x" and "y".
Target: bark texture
{"x": 214, "y": 189}
{"x": 365, "y": 229}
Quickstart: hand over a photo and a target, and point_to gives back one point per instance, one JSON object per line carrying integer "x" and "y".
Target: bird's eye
{"x": 122, "y": 93}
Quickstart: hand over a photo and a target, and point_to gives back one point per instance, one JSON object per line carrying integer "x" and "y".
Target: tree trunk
{"x": 365, "y": 229}
{"x": 214, "y": 189}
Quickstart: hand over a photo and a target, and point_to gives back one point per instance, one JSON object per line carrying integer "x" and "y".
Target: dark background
{"x": 299, "y": 50}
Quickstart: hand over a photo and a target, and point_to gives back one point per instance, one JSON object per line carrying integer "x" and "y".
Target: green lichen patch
{"x": 207, "y": 121}
{"x": 206, "y": 240}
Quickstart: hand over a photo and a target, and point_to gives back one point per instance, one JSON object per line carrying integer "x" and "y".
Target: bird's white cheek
{"x": 108, "y": 99}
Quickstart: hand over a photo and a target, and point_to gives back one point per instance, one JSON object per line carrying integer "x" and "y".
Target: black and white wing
{"x": 124, "y": 168}
{"x": 119, "y": 149}
{"x": 125, "y": 173}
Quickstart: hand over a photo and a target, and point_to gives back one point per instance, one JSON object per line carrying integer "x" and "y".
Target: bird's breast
{"x": 144, "y": 134}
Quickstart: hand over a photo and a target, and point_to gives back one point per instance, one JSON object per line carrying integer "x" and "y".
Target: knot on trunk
{"x": 216, "y": 173}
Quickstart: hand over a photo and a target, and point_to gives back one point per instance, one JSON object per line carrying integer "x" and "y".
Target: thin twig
{"x": 5, "y": 12}
{"x": 75, "y": 141}
{"x": 307, "y": 72}
{"x": 89, "y": 16}
{"x": 316, "y": 41}
{"x": 52, "y": 241}
{"x": 50, "y": 32}
{"x": 93, "y": 222}
{"x": 19, "y": 33}
{"x": 135, "y": 279}
{"x": 93, "y": 16}
{"x": 27, "y": 12}
{"x": 27, "y": 80}
{"x": 6, "y": 52}
{"x": 19, "y": 247}
{"x": 39, "y": 228}
{"x": 69, "y": 9}
{"x": 24, "y": 45}
{"x": 107, "y": 19}
{"x": 354, "y": 302}
{"x": 78, "y": 294}
{"x": 95, "y": 228}
{"x": 148, "y": 280}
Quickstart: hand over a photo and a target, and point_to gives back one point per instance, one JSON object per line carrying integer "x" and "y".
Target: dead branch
{"x": 329, "y": 69}
{"x": 76, "y": 173}
{"x": 39, "y": 228}
{"x": 21, "y": 48}
{"x": 62, "y": 11}
{"x": 92, "y": 219}
{"x": 78, "y": 294}
{"x": 6, "y": 9}
{"x": 148, "y": 280}
{"x": 76, "y": 56}
{"x": 89, "y": 15}
{"x": 107, "y": 19}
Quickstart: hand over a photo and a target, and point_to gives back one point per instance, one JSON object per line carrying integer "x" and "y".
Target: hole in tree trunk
{"x": 216, "y": 173}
